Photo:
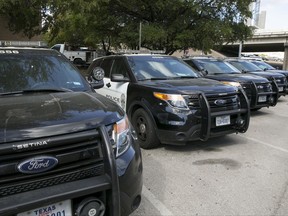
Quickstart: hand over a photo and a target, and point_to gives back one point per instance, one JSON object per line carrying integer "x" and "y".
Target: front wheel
{"x": 143, "y": 125}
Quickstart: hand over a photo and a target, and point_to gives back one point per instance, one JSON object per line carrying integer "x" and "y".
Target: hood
{"x": 278, "y": 71}
{"x": 242, "y": 78}
{"x": 30, "y": 116}
{"x": 267, "y": 74}
{"x": 190, "y": 86}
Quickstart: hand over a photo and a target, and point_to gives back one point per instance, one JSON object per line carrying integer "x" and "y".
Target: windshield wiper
{"x": 11, "y": 93}
{"x": 47, "y": 90}
{"x": 186, "y": 77}
{"x": 155, "y": 78}
{"x": 36, "y": 90}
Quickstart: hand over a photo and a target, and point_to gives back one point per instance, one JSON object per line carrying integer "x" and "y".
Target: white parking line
{"x": 267, "y": 144}
{"x": 156, "y": 202}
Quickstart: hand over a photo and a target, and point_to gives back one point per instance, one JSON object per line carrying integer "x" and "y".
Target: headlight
{"x": 237, "y": 84}
{"x": 121, "y": 135}
{"x": 174, "y": 100}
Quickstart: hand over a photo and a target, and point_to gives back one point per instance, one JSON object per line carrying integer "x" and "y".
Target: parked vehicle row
{"x": 171, "y": 103}
{"x": 260, "y": 91}
{"x": 67, "y": 148}
{"x": 229, "y": 69}
{"x": 166, "y": 100}
{"x": 248, "y": 67}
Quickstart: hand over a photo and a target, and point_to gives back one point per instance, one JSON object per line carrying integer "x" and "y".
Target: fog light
{"x": 271, "y": 100}
{"x": 240, "y": 122}
{"x": 91, "y": 207}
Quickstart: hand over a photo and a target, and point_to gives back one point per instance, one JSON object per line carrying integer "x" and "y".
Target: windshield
{"x": 24, "y": 71}
{"x": 263, "y": 65}
{"x": 213, "y": 66}
{"x": 159, "y": 67}
{"x": 245, "y": 66}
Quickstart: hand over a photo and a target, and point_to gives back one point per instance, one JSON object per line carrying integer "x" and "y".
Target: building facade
{"x": 8, "y": 38}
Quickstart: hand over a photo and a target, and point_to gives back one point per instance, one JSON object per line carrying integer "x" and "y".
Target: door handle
{"x": 108, "y": 85}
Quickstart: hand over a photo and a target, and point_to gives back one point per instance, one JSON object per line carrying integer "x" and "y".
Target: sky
{"x": 276, "y": 14}
{"x": 276, "y": 19}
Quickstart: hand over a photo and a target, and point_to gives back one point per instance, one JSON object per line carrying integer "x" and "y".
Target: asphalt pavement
{"x": 238, "y": 174}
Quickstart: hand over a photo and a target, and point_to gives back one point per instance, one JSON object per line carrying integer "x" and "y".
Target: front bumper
{"x": 201, "y": 125}
{"x": 130, "y": 175}
{"x": 254, "y": 95}
{"x": 113, "y": 187}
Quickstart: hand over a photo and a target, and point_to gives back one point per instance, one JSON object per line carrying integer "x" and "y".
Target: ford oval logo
{"x": 37, "y": 164}
{"x": 220, "y": 102}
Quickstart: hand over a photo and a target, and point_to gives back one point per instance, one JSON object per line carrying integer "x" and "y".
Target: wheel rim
{"x": 142, "y": 128}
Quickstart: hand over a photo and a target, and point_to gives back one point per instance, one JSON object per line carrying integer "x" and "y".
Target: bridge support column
{"x": 285, "y": 61}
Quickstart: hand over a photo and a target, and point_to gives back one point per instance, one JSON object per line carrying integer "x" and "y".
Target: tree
{"x": 167, "y": 25}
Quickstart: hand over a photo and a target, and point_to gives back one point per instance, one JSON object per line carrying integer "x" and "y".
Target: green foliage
{"x": 167, "y": 25}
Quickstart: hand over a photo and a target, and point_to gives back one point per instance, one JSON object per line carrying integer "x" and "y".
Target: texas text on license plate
{"x": 57, "y": 209}
{"x": 222, "y": 120}
{"x": 262, "y": 98}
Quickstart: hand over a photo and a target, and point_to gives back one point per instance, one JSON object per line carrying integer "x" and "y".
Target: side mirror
{"x": 203, "y": 72}
{"x": 119, "y": 78}
{"x": 97, "y": 84}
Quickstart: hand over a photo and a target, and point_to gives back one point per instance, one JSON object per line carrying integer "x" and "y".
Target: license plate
{"x": 262, "y": 98}
{"x": 57, "y": 209}
{"x": 222, "y": 120}
{"x": 281, "y": 89}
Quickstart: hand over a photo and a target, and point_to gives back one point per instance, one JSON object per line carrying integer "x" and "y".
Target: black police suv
{"x": 260, "y": 91}
{"x": 247, "y": 67}
{"x": 64, "y": 149}
{"x": 167, "y": 102}
{"x": 269, "y": 68}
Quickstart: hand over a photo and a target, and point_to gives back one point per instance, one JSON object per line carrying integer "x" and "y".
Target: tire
{"x": 144, "y": 128}
{"x": 78, "y": 61}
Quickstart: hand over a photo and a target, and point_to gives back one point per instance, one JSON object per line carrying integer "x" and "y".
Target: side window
{"x": 97, "y": 63}
{"x": 106, "y": 66}
{"x": 119, "y": 67}
{"x": 56, "y": 47}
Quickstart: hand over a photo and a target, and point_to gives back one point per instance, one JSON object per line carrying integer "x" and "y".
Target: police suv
{"x": 64, "y": 149}
{"x": 167, "y": 102}
{"x": 260, "y": 91}
{"x": 246, "y": 66}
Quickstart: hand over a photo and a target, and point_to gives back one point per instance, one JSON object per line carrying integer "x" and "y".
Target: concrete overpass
{"x": 262, "y": 41}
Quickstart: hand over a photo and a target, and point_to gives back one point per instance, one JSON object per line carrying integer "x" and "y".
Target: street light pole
{"x": 140, "y": 32}
{"x": 240, "y": 49}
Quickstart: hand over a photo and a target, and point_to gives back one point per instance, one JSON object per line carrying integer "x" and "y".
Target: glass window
{"x": 119, "y": 67}
{"x": 106, "y": 66}
{"x": 38, "y": 70}
{"x": 159, "y": 67}
{"x": 56, "y": 47}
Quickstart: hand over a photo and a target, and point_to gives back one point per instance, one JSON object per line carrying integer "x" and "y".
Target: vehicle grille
{"x": 261, "y": 88}
{"x": 281, "y": 81}
{"x": 33, "y": 185}
{"x": 264, "y": 87}
{"x": 79, "y": 156}
{"x": 217, "y": 103}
